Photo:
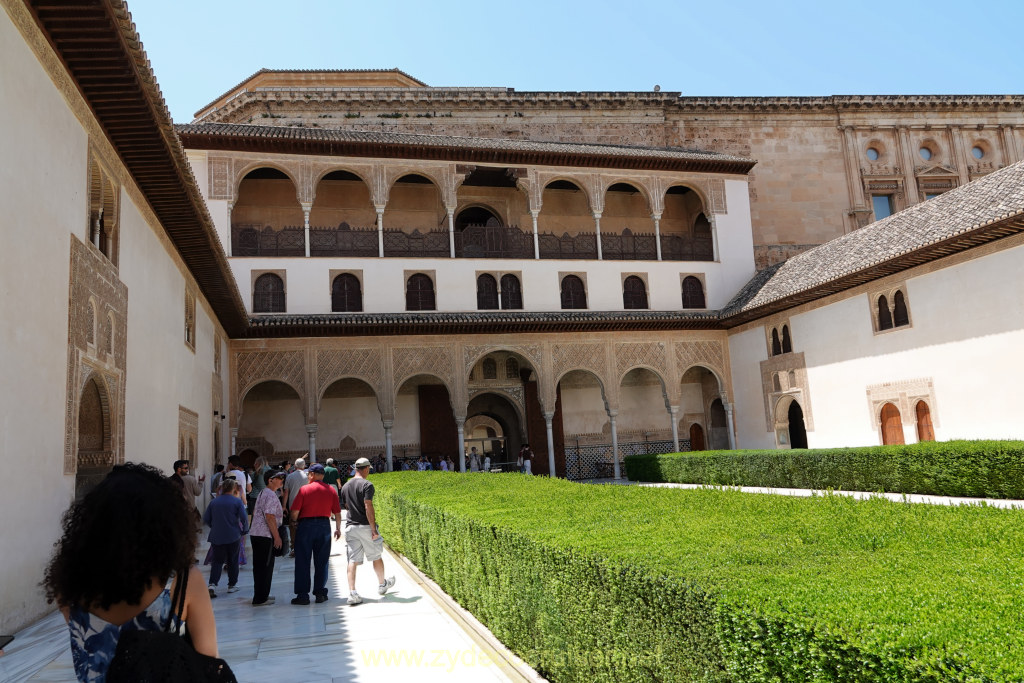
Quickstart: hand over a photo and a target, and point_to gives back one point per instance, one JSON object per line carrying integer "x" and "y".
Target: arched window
{"x": 787, "y": 343}
{"x": 268, "y": 294}
{"x": 511, "y": 293}
{"x": 884, "y": 315}
{"x": 900, "y": 317}
{"x": 693, "y": 293}
{"x": 419, "y": 293}
{"x": 490, "y": 368}
{"x": 776, "y": 384}
{"x": 634, "y": 293}
{"x": 776, "y": 345}
{"x": 511, "y": 368}
{"x": 90, "y": 324}
{"x": 892, "y": 425}
{"x": 924, "y": 422}
{"x": 573, "y": 293}
{"x": 346, "y": 294}
{"x": 486, "y": 293}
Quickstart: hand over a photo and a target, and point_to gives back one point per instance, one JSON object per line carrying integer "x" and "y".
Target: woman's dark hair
{"x": 135, "y": 526}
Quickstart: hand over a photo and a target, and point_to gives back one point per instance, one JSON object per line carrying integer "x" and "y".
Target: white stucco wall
{"x": 967, "y": 329}
{"x": 44, "y": 195}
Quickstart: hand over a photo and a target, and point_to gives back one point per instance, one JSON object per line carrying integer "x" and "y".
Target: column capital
{"x": 612, "y": 414}
{"x": 234, "y": 432}
{"x": 311, "y": 429}
{"x": 673, "y": 410}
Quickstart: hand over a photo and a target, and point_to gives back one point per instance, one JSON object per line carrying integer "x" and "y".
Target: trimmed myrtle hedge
{"x": 982, "y": 469}
{"x": 616, "y": 583}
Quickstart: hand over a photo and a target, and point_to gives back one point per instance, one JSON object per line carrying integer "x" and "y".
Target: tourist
{"x": 450, "y": 463}
{"x": 112, "y": 569}
{"x": 228, "y": 521}
{"x": 527, "y": 459}
{"x": 487, "y": 462}
{"x": 188, "y": 485}
{"x": 259, "y": 471}
{"x": 267, "y": 517}
{"x": 215, "y": 480}
{"x": 311, "y": 511}
{"x": 444, "y": 465}
{"x": 361, "y": 534}
{"x": 236, "y": 472}
{"x": 520, "y": 466}
{"x": 474, "y": 460}
{"x": 332, "y": 477}
{"x": 295, "y": 481}
{"x": 422, "y": 465}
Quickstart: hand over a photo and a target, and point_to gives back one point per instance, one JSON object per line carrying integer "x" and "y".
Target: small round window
{"x": 926, "y": 153}
{"x": 977, "y": 152}
{"x": 873, "y": 154}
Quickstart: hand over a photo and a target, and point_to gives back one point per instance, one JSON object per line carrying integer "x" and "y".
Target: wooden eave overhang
{"x": 288, "y": 142}
{"x": 99, "y": 47}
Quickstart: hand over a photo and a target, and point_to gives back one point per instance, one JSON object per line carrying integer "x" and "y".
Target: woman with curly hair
{"x": 124, "y": 547}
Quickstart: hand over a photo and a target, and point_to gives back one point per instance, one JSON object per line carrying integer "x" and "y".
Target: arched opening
{"x": 502, "y": 438}
{"x": 643, "y": 423}
{"x": 94, "y": 457}
{"x": 900, "y": 315}
{"x": 925, "y": 432}
{"x": 272, "y": 411}
{"x": 423, "y": 414}
{"x": 267, "y": 219}
{"x": 693, "y": 293}
{"x": 486, "y": 292}
{"x": 585, "y": 426}
{"x": 415, "y": 220}
{"x": 797, "y": 429}
{"x": 776, "y": 384}
{"x": 892, "y": 425}
{"x": 349, "y": 423}
{"x": 699, "y": 390}
{"x": 342, "y": 221}
{"x": 884, "y": 314}
{"x": 511, "y": 293}
{"x": 419, "y": 293}
{"x": 696, "y": 437}
{"x": 776, "y": 344}
{"x": 627, "y": 229}
{"x": 787, "y": 343}
{"x": 346, "y": 294}
{"x": 476, "y": 216}
{"x": 634, "y": 293}
{"x": 268, "y": 294}
{"x": 566, "y": 224}
{"x": 494, "y": 209}
{"x": 247, "y": 458}
{"x": 719, "y": 436}
{"x": 685, "y": 229}
{"x": 573, "y": 294}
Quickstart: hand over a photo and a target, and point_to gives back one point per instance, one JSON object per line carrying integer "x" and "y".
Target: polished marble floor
{"x": 407, "y": 634}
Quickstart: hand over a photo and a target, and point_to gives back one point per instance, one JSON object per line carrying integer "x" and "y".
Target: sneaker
{"x": 268, "y": 601}
{"x": 232, "y": 589}
{"x": 300, "y": 601}
{"x": 321, "y": 598}
{"x": 386, "y": 586}
{"x": 213, "y": 591}
{"x": 354, "y": 598}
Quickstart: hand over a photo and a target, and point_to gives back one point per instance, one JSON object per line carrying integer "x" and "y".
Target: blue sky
{"x": 200, "y": 49}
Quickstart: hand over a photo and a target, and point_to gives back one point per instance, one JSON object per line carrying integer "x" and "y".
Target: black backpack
{"x": 164, "y": 656}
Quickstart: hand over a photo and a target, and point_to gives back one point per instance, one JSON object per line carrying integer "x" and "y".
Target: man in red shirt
{"x": 312, "y": 508}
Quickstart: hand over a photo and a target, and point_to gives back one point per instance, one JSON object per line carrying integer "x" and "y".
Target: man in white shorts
{"x": 361, "y": 535}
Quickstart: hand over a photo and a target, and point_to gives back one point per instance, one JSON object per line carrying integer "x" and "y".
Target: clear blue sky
{"x": 201, "y": 48}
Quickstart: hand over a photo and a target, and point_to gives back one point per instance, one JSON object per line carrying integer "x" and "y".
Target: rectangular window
{"x": 882, "y": 204}
{"x": 931, "y": 195}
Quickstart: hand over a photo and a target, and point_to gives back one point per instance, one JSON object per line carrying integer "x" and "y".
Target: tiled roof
{"x": 340, "y": 142}
{"x": 981, "y": 211}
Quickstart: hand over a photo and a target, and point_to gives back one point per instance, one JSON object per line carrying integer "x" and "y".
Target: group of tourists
{"x": 124, "y": 572}
{"x": 475, "y": 462}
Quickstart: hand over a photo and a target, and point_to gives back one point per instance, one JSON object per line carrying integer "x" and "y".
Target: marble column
{"x": 548, "y": 419}
{"x": 305, "y": 222}
{"x": 451, "y": 231}
{"x": 597, "y": 232}
{"x": 615, "y": 445}
{"x": 380, "y": 231}
{"x": 227, "y": 250}
{"x": 234, "y": 440}
{"x": 388, "y": 424}
{"x": 311, "y": 431}
{"x": 460, "y": 422}
{"x": 729, "y": 424}
{"x": 673, "y": 412}
{"x": 536, "y": 239}
{"x": 656, "y": 217}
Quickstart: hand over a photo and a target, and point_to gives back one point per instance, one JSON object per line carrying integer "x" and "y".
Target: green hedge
{"x": 983, "y": 469}
{"x": 616, "y": 583}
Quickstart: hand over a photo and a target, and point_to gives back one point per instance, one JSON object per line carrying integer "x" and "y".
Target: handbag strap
{"x": 178, "y": 598}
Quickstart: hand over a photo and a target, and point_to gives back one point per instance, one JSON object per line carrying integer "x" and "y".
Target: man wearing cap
{"x": 361, "y": 534}
{"x": 311, "y": 511}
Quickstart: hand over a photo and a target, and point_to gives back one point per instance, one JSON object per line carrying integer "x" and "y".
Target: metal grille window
{"x": 268, "y": 294}
{"x": 693, "y": 293}
{"x": 511, "y": 293}
{"x": 419, "y": 293}
{"x": 511, "y": 368}
{"x": 634, "y": 293}
{"x": 486, "y": 293}
{"x": 573, "y": 293}
{"x": 490, "y": 368}
{"x": 346, "y": 294}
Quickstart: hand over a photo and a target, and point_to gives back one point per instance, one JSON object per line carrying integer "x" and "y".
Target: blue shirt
{"x": 227, "y": 518}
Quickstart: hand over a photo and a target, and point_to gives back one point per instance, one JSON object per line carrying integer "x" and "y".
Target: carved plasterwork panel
{"x": 650, "y": 355}
{"x": 219, "y": 184}
{"x": 254, "y": 367}
{"x": 904, "y": 394}
{"x": 708, "y": 353}
{"x": 716, "y": 195}
{"x": 791, "y": 371}
{"x": 566, "y": 357}
{"x": 188, "y": 434}
{"x": 429, "y": 360}
{"x": 472, "y": 353}
{"x": 98, "y": 311}
{"x": 335, "y": 364}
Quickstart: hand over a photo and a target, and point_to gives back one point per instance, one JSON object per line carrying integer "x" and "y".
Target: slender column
{"x": 311, "y": 431}
{"x": 451, "y": 231}
{"x": 228, "y": 236}
{"x": 1010, "y": 152}
{"x": 388, "y": 424}
{"x": 597, "y": 231}
{"x": 95, "y": 236}
{"x": 548, "y": 419}
{"x": 729, "y": 424}
{"x": 673, "y": 412}
{"x": 615, "y": 444}
{"x": 910, "y": 177}
{"x": 536, "y": 239}
{"x": 380, "y": 231}
{"x": 460, "y": 423}
{"x": 234, "y": 439}
{"x": 657, "y": 232}
{"x": 305, "y": 222}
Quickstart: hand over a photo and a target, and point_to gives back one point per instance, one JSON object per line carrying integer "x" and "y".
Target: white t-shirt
{"x": 243, "y": 479}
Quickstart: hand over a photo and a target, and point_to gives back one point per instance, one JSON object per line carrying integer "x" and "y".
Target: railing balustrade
{"x": 629, "y": 246}
{"x": 431, "y": 244}
{"x": 343, "y": 240}
{"x": 493, "y": 241}
{"x": 679, "y": 248}
{"x": 582, "y": 246}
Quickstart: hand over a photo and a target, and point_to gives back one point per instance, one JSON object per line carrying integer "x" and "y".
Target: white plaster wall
{"x": 747, "y": 350}
{"x": 583, "y": 410}
{"x": 642, "y": 407}
{"x": 407, "y": 419}
{"x": 735, "y": 245}
{"x": 279, "y": 422}
{"x": 357, "y": 417}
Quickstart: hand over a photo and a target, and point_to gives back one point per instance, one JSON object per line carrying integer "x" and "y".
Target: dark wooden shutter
{"x": 268, "y": 294}
{"x": 419, "y": 293}
{"x": 486, "y": 293}
{"x": 346, "y": 294}
{"x": 634, "y": 293}
{"x": 892, "y": 425}
{"x": 573, "y": 293}
{"x": 924, "y": 422}
{"x": 693, "y": 293}
{"x": 511, "y": 293}
{"x": 900, "y": 316}
{"x": 884, "y": 315}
